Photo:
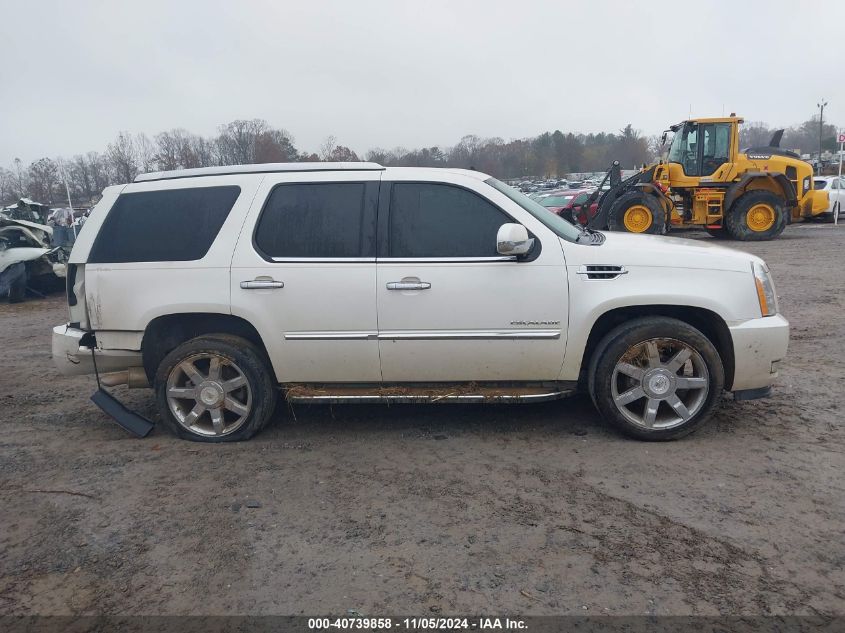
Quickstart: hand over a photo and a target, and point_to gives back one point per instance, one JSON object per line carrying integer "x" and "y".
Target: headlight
{"x": 765, "y": 289}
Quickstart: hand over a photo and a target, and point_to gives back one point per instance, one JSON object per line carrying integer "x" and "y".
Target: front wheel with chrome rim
{"x": 656, "y": 378}
{"x": 215, "y": 389}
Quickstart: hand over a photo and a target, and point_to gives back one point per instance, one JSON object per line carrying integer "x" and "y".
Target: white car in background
{"x": 835, "y": 187}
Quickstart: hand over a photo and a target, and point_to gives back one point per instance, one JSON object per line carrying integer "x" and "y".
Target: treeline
{"x": 255, "y": 141}
{"x": 803, "y": 138}
{"x": 551, "y": 154}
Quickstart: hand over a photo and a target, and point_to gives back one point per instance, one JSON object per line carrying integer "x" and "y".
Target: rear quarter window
{"x": 172, "y": 225}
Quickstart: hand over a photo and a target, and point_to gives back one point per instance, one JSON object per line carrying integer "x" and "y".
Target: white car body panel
{"x": 127, "y": 296}
{"x": 319, "y": 298}
{"x": 466, "y": 326}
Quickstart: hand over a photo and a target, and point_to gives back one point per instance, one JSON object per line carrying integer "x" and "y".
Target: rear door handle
{"x": 262, "y": 284}
{"x": 408, "y": 285}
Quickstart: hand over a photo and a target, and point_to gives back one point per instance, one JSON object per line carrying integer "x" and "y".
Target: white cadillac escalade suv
{"x": 351, "y": 282}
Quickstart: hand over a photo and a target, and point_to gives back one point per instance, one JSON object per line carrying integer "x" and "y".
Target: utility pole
{"x": 67, "y": 191}
{"x": 20, "y": 180}
{"x": 821, "y": 106}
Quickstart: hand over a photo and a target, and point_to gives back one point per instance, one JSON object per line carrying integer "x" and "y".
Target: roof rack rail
{"x": 264, "y": 168}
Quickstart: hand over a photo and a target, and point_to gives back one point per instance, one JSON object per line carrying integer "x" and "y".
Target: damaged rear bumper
{"x": 72, "y": 358}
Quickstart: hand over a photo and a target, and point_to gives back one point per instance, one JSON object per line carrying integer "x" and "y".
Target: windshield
{"x": 679, "y": 148}
{"x": 557, "y": 224}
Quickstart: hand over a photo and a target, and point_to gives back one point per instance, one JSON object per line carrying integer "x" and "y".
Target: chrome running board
{"x": 420, "y": 394}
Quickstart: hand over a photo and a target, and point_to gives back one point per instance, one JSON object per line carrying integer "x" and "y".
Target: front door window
{"x": 716, "y": 141}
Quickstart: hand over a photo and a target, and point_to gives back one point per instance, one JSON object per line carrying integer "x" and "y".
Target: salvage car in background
{"x": 569, "y": 205}
{"x": 26, "y": 256}
{"x": 835, "y": 188}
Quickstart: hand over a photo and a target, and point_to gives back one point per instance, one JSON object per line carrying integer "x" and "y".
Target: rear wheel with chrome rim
{"x": 215, "y": 389}
{"x": 656, "y": 378}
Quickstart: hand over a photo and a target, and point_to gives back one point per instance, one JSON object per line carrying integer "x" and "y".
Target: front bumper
{"x": 72, "y": 358}
{"x": 759, "y": 345}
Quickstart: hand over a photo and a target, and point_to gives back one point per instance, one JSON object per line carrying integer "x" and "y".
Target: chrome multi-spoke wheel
{"x": 660, "y": 383}
{"x": 656, "y": 378}
{"x": 209, "y": 394}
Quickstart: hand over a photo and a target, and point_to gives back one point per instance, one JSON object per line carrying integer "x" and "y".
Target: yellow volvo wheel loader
{"x": 706, "y": 180}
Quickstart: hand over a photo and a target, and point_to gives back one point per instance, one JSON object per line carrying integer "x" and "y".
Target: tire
{"x": 17, "y": 289}
{"x": 637, "y": 212}
{"x": 231, "y": 403}
{"x": 619, "y": 367}
{"x": 835, "y": 213}
{"x": 764, "y": 206}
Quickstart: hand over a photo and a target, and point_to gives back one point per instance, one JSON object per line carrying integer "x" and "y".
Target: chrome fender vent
{"x": 599, "y": 272}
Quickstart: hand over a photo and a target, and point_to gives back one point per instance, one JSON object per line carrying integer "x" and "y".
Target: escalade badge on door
{"x": 528, "y": 323}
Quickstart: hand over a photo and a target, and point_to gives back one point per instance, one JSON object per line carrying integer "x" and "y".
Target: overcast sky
{"x": 422, "y": 72}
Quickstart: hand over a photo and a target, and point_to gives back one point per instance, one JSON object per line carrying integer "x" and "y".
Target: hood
{"x": 628, "y": 249}
{"x": 9, "y": 256}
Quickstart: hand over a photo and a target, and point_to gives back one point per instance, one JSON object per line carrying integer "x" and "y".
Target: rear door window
{"x": 171, "y": 225}
{"x": 327, "y": 220}
{"x": 437, "y": 220}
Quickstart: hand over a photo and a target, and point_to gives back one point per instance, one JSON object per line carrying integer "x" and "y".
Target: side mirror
{"x": 512, "y": 239}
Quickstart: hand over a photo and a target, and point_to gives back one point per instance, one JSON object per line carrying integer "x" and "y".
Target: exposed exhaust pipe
{"x": 134, "y": 377}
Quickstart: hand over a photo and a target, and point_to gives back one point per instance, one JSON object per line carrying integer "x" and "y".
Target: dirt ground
{"x": 448, "y": 509}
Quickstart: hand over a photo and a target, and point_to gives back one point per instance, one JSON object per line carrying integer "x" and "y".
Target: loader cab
{"x": 702, "y": 149}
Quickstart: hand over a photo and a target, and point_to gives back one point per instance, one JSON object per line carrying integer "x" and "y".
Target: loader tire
{"x": 637, "y": 212}
{"x": 756, "y": 216}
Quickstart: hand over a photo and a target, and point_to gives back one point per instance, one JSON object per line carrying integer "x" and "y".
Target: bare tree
{"x": 237, "y": 141}
{"x": 122, "y": 158}
{"x": 754, "y": 134}
{"x": 145, "y": 152}
{"x": 342, "y": 154}
{"x": 98, "y": 165}
{"x": 275, "y": 146}
{"x": 205, "y": 151}
{"x": 8, "y": 187}
{"x": 43, "y": 180}
{"x": 80, "y": 179}
{"x": 167, "y": 155}
{"x": 327, "y": 147}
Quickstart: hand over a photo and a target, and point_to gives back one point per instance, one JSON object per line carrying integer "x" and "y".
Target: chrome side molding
{"x": 423, "y": 335}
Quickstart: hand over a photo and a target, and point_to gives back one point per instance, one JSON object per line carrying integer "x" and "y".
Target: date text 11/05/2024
{"x": 436, "y": 624}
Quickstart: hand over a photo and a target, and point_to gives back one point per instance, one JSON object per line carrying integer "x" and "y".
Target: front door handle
{"x": 408, "y": 285}
{"x": 262, "y": 284}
